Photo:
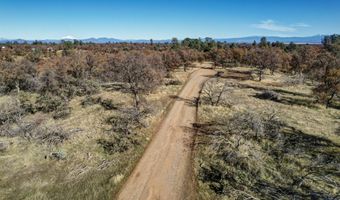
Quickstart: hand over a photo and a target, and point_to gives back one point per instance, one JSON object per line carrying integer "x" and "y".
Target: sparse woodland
{"x": 271, "y": 130}
{"x": 81, "y": 109}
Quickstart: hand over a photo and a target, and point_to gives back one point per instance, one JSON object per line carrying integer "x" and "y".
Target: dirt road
{"x": 164, "y": 171}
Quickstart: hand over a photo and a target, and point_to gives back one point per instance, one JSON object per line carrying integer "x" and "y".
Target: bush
{"x": 20, "y": 75}
{"x": 2, "y": 88}
{"x": 254, "y": 125}
{"x": 250, "y": 155}
{"x": 31, "y": 129}
{"x": 119, "y": 144}
{"x": 172, "y": 82}
{"x": 214, "y": 92}
{"x": 49, "y": 103}
{"x": 58, "y": 156}
{"x": 22, "y": 127}
{"x": 89, "y": 101}
{"x": 10, "y": 111}
{"x": 254, "y": 75}
{"x": 128, "y": 120}
{"x": 52, "y": 135}
{"x": 27, "y": 102}
{"x": 85, "y": 87}
{"x": 108, "y": 104}
{"x": 58, "y": 83}
{"x": 105, "y": 103}
{"x": 62, "y": 113}
{"x": 294, "y": 80}
{"x": 269, "y": 95}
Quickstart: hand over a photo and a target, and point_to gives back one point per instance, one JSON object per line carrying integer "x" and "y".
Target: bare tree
{"x": 214, "y": 91}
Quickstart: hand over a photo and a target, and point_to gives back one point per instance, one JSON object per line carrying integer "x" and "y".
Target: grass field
{"x": 301, "y": 161}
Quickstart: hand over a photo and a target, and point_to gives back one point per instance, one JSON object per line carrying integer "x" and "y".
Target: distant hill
{"x": 102, "y": 40}
{"x": 299, "y": 40}
{"x": 316, "y": 39}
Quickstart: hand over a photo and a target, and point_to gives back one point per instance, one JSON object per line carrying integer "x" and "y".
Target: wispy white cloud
{"x": 271, "y": 25}
{"x": 302, "y": 25}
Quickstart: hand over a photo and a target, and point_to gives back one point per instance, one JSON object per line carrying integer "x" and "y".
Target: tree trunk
{"x": 260, "y": 75}
{"x": 220, "y": 95}
{"x": 17, "y": 85}
{"x": 137, "y": 101}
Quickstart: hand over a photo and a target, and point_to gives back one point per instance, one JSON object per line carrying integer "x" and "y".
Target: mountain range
{"x": 316, "y": 39}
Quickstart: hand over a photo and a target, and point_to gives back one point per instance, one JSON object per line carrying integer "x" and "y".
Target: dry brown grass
{"x": 296, "y": 108}
{"x": 88, "y": 172}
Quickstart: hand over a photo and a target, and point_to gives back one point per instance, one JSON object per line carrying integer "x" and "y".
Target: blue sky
{"x": 145, "y": 19}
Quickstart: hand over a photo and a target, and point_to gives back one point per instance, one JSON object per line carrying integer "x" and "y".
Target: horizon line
{"x": 108, "y": 37}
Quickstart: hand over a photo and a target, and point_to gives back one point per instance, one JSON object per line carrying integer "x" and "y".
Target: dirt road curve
{"x": 164, "y": 171}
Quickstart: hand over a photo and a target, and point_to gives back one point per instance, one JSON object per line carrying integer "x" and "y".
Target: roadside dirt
{"x": 164, "y": 171}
